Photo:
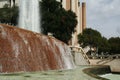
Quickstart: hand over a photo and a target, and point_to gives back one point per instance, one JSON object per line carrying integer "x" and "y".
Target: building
{"x": 74, "y": 5}
{"x": 80, "y": 10}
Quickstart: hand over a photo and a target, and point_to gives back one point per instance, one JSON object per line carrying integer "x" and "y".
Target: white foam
{"x": 29, "y": 16}
{"x": 3, "y": 32}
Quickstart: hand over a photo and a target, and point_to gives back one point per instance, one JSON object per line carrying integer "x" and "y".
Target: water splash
{"x": 68, "y": 59}
{"x": 29, "y": 15}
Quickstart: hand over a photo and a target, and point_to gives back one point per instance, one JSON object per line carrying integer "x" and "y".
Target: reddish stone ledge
{"x": 23, "y": 50}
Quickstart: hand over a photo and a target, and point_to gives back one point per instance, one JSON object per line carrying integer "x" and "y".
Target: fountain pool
{"x": 70, "y": 74}
{"x": 111, "y": 76}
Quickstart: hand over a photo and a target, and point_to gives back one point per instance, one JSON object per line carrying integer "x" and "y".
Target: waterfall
{"x": 29, "y": 15}
{"x": 23, "y": 50}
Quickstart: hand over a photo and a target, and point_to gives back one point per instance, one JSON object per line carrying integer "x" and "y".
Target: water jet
{"x": 29, "y": 15}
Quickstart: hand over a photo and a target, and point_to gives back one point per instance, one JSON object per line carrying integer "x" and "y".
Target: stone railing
{"x": 116, "y": 56}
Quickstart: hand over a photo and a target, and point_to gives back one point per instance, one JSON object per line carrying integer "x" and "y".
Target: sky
{"x": 104, "y": 16}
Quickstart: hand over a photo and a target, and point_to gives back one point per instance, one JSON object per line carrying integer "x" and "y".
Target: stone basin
{"x": 70, "y": 74}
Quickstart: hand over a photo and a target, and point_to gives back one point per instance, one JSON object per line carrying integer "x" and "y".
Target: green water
{"x": 73, "y": 74}
{"x": 111, "y": 76}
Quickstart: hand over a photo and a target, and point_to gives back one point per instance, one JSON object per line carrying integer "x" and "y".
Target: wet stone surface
{"x": 71, "y": 74}
{"x": 23, "y": 50}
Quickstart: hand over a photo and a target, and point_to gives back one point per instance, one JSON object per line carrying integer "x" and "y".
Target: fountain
{"x": 29, "y": 17}
{"x": 23, "y": 50}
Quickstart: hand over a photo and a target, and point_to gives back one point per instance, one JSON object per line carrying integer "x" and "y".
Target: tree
{"x": 93, "y": 38}
{"x": 114, "y": 45}
{"x": 104, "y": 46}
{"x": 89, "y": 37}
{"x": 9, "y": 15}
{"x": 56, "y": 20}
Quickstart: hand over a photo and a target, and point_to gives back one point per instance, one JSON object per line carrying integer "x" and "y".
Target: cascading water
{"x": 23, "y": 50}
{"x": 29, "y": 16}
{"x": 30, "y": 51}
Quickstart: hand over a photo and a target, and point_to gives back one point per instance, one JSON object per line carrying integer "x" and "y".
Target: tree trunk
{"x": 13, "y": 3}
{"x": 10, "y": 2}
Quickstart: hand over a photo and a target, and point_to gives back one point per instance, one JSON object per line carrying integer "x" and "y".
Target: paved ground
{"x": 114, "y": 64}
{"x": 73, "y": 74}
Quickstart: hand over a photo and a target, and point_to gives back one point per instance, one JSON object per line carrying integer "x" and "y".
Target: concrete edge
{"x": 97, "y": 70}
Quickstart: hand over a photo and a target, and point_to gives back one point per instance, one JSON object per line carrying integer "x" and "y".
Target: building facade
{"x": 80, "y": 10}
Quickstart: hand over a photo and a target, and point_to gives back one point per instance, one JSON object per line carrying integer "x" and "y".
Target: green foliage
{"x": 89, "y": 37}
{"x": 93, "y": 38}
{"x": 6, "y": 6}
{"x": 9, "y": 15}
{"x": 114, "y": 45}
{"x": 56, "y": 20}
{"x": 104, "y": 46}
